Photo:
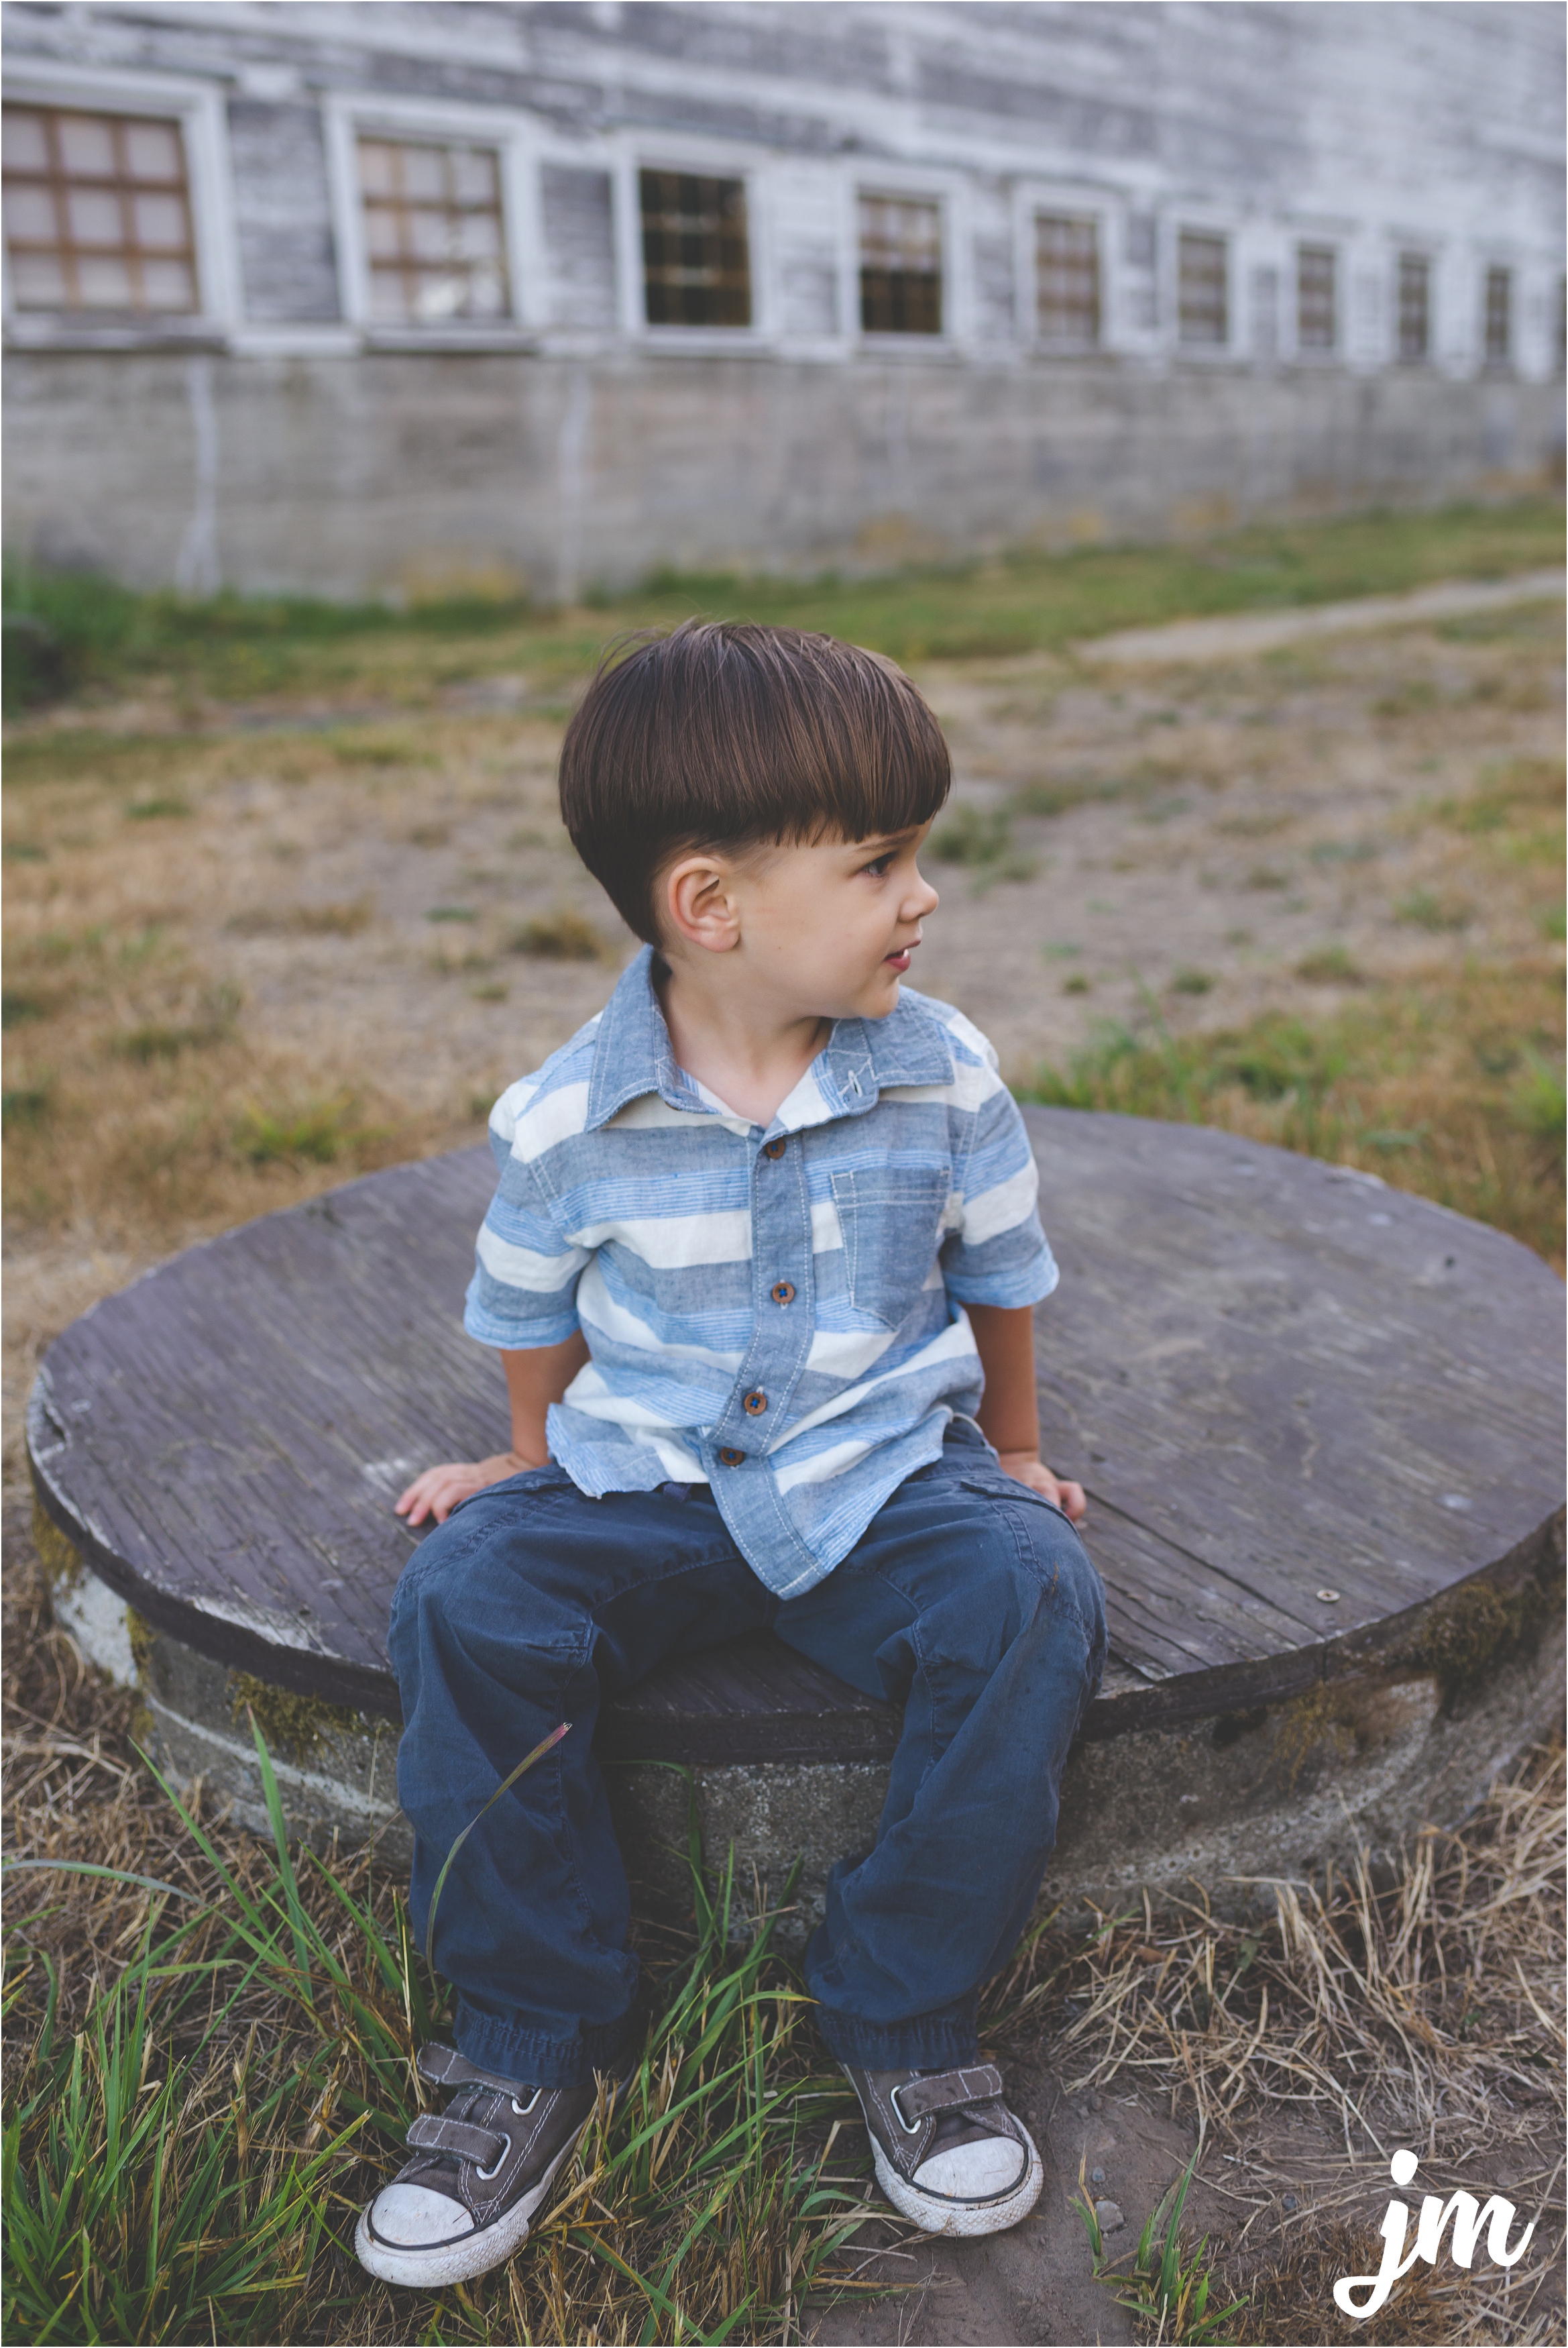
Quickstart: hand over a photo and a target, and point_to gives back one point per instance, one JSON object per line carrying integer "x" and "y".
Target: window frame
{"x": 1194, "y": 220}
{"x": 1109, "y": 213}
{"x": 703, "y": 160}
{"x": 348, "y": 116}
{"x": 198, "y": 110}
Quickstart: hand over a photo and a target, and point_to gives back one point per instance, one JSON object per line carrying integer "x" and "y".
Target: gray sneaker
{"x": 948, "y": 2154}
{"x": 478, "y": 2175}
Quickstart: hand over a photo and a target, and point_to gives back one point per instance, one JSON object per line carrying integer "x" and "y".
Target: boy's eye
{"x": 879, "y": 865}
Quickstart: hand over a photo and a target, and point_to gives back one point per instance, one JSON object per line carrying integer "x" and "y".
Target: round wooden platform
{"x": 1305, "y": 1408}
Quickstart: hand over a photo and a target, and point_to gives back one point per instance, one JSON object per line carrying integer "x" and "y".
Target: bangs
{"x": 725, "y": 735}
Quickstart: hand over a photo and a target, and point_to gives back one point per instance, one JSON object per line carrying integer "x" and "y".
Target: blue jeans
{"x": 969, "y": 1600}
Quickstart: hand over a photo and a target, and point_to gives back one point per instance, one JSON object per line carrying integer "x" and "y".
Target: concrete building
{"x": 403, "y": 297}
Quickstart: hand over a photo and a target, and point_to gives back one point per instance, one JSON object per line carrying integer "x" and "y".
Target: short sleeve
{"x": 524, "y": 1289}
{"x": 996, "y": 1253}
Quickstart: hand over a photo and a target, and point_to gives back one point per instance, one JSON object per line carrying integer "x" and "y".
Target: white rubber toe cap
{"x": 412, "y": 2218}
{"x": 973, "y": 2172}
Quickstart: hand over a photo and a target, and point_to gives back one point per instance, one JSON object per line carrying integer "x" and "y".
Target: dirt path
{"x": 1239, "y": 637}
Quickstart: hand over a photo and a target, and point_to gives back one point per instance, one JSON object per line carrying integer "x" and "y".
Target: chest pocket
{"x": 892, "y": 1228}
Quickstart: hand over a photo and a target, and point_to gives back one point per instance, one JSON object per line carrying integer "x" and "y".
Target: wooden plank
{"x": 1272, "y": 1378}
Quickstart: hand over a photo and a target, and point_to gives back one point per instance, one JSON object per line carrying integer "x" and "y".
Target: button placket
{"x": 781, "y": 1338}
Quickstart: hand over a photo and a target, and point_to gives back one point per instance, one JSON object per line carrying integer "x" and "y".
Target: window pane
{"x": 1202, "y": 307}
{"x": 900, "y": 266}
{"x": 152, "y": 151}
{"x": 103, "y": 282}
{"x": 437, "y": 210}
{"x": 37, "y": 280}
{"x": 26, "y": 140}
{"x": 376, "y": 167}
{"x": 160, "y": 223}
{"x": 103, "y": 199}
{"x": 93, "y": 216}
{"x": 423, "y": 174}
{"x": 387, "y": 298}
{"x": 1499, "y": 323}
{"x": 168, "y": 285}
{"x": 30, "y": 214}
{"x": 1066, "y": 278}
{"x": 1316, "y": 322}
{"x": 1415, "y": 319}
{"x": 696, "y": 262}
{"x": 87, "y": 145}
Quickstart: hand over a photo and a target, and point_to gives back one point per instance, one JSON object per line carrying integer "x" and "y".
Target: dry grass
{"x": 1418, "y": 2006}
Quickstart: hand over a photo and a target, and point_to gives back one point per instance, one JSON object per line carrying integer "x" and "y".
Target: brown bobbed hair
{"x": 725, "y": 735}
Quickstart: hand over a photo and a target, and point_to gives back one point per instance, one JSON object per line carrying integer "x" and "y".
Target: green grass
{"x": 187, "y": 2163}
{"x": 1452, "y": 1089}
{"x": 68, "y": 633}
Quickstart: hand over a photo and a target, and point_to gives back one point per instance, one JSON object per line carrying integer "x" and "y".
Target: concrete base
{"x": 1280, "y": 1790}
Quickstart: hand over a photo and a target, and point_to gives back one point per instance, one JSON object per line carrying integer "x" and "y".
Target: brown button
{"x": 783, "y": 1292}
{"x": 773, "y": 1149}
{"x": 754, "y": 1404}
{"x": 728, "y": 1458}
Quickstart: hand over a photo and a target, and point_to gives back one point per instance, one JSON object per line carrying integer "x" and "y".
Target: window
{"x": 1066, "y": 278}
{"x": 900, "y": 266}
{"x": 696, "y": 258}
{"x": 1415, "y": 308}
{"x": 1498, "y": 319}
{"x": 433, "y": 237}
{"x": 1203, "y": 301}
{"x": 98, "y": 211}
{"x": 1316, "y": 307}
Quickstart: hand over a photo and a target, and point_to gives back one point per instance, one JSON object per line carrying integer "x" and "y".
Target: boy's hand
{"x": 437, "y": 1492}
{"x": 1069, "y": 1497}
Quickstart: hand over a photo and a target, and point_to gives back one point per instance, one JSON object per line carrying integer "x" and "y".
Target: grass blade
{"x": 541, "y": 1749}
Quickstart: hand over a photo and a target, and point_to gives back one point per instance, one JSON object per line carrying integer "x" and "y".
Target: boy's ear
{"x": 699, "y": 902}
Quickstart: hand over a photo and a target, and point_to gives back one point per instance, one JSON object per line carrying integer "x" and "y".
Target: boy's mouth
{"x": 899, "y": 961}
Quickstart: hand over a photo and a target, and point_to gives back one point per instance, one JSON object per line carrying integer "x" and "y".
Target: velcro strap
{"x": 446, "y": 2068}
{"x": 949, "y": 2092}
{"x": 483, "y": 2147}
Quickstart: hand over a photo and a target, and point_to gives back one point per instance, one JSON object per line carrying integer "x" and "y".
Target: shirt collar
{"x": 862, "y": 1057}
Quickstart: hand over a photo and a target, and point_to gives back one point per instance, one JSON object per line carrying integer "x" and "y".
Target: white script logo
{"x": 1469, "y": 2216}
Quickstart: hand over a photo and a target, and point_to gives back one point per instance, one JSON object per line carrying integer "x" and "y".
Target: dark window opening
{"x": 1499, "y": 316}
{"x": 900, "y": 266}
{"x": 696, "y": 262}
{"x": 1066, "y": 278}
{"x": 1202, "y": 292}
{"x": 1316, "y": 303}
{"x": 1415, "y": 308}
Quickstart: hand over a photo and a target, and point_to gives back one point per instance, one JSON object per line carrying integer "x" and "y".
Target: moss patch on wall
{"x": 299, "y": 1726}
{"x": 1477, "y": 1627}
{"x": 60, "y": 1559}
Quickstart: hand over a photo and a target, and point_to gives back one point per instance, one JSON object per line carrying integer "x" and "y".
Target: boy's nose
{"x": 922, "y": 899}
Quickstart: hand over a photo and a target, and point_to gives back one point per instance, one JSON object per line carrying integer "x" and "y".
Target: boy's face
{"x": 826, "y": 927}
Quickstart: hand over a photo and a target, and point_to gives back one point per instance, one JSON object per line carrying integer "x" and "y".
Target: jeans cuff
{"x": 930, "y": 2042}
{"x": 534, "y": 2060}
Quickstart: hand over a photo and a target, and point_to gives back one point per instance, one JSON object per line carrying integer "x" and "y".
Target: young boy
{"x": 760, "y": 1269}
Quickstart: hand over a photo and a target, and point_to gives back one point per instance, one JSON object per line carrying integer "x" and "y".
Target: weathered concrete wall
{"x": 367, "y": 475}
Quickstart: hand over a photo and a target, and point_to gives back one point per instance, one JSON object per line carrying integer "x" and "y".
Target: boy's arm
{"x": 1009, "y": 1414}
{"x": 535, "y": 1378}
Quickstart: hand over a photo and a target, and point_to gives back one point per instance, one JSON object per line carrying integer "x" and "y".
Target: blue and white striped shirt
{"x": 776, "y": 1312}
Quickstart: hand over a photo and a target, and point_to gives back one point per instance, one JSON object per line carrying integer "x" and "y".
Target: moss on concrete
{"x": 299, "y": 1726}
{"x": 1477, "y": 1627}
{"x": 60, "y": 1559}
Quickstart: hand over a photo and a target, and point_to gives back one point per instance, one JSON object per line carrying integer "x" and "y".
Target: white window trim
{"x": 1109, "y": 213}
{"x": 346, "y": 115}
{"x": 949, "y": 192}
{"x": 1199, "y": 221}
{"x": 707, "y": 158}
{"x": 199, "y": 108}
